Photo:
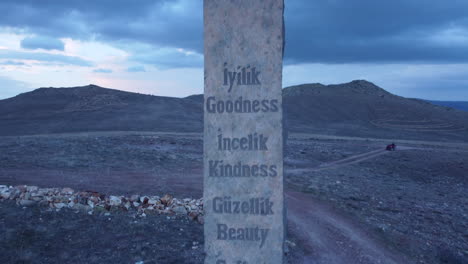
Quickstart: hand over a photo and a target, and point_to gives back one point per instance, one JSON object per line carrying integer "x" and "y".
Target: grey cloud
{"x": 44, "y": 57}
{"x": 136, "y": 69}
{"x": 343, "y": 31}
{"x": 12, "y": 63}
{"x": 160, "y": 22}
{"x": 42, "y": 42}
{"x": 165, "y": 58}
{"x": 334, "y": 31}
{"x": 102, "y": 70}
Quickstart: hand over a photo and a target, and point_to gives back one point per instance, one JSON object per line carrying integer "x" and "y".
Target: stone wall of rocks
{"x": 89, "y": 201}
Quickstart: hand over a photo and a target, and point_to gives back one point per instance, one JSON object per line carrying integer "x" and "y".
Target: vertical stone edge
{"x": 285, "y": 139}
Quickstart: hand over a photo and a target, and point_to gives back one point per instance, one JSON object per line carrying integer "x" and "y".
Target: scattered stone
{"x": 153, "y": 200}
{"x": 67, "y": 191}
{"x": 166, "y": 200}
{"x": 59, "y": 205}
{"x": 5, "y": 193}
{"x": 31, "y": 188}
{"x": 115, "y": 201}
{"x": 144, "y": 199}
{"x": 89, "y": 201}
{"x": 179, "y": 210}
{"x": 134, "y": 198}
{"x": 26, "y": 202}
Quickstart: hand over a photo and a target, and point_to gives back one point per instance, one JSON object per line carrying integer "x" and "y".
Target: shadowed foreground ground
{"x": 349, "y": 201}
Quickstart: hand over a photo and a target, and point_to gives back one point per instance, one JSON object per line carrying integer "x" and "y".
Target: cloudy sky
{"x": 413, "y": 48}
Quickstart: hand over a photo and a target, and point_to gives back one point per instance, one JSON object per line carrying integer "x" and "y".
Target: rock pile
{"x": 89, "y": 201}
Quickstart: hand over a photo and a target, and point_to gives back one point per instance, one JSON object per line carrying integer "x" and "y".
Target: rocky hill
{"x": 93, "y": 108}
{"x": 358, "y": 108}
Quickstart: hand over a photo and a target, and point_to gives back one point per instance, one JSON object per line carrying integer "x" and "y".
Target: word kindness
{"x": 217, "y": 168}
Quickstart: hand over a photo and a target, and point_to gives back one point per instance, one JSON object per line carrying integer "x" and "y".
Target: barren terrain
{"x": 349, "y": 200}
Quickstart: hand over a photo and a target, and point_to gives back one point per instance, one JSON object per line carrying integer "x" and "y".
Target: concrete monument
{"x": 243, "y": 133}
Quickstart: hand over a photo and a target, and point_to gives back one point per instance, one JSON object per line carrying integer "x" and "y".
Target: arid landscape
{"x": 349, "y": 200}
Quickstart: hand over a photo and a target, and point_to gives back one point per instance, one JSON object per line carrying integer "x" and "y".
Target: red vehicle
{"x": 391, "y": 147}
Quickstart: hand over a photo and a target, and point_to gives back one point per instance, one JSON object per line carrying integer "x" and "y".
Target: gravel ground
{"x": 414, "y": 199}
{"x": 38, "y": 235}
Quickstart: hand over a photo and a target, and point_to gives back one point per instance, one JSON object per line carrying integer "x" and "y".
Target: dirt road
{"x": 328, "y": 237}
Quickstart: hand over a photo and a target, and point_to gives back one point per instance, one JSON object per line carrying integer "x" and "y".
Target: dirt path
{"x": 342, "y": 162}
{"x": 398, "y": 142}
{"x": 328, "y": 237}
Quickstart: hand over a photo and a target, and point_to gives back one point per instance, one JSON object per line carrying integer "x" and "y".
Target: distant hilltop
{"x": 358, "y": 108}
{"x": 460, "y": 105}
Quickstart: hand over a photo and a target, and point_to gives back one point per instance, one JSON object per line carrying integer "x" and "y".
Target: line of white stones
{"x": 89, "y": 201}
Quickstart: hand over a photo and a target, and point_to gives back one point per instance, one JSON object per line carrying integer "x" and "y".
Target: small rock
{"x": 67, "y": 191}
{"x": 167, "y": 199}
{"x": 32, "y": 188}
{"x": 290, "y": 243}
{"x": 179, "y": 210}
{"x": 115, "y": 201}
{"x": 59, "y": 205}
{"x": 144, "y": 199}
{"x": 26, "y": 202}
{"x": 134, "y": 198}
{"x": 81, "y": 207}
{"x": 5, "y": 194}
{"x": 193, "y": 215}
{"x": 153, "y": 201}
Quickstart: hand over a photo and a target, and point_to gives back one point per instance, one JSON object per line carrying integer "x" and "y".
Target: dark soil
{"x": 415, "y": 199}
{"x": 37, "y": 235}
{"x": 412, "y": 201}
